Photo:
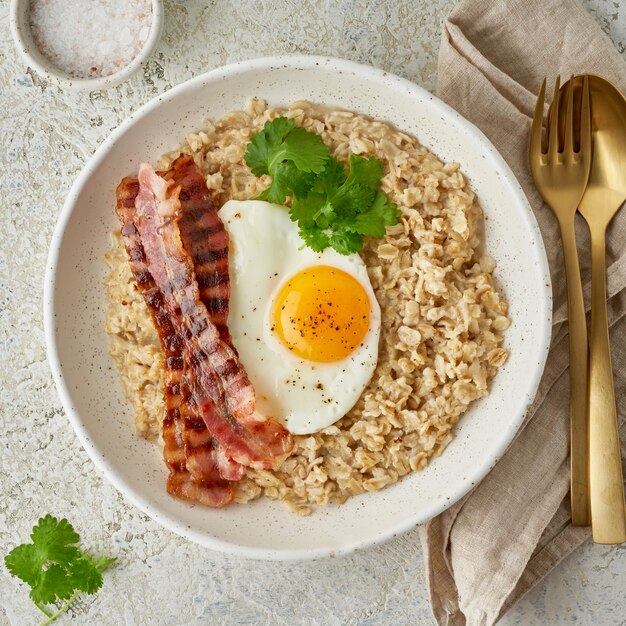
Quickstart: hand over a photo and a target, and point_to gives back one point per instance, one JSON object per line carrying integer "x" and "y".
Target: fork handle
{"x": 608, "y": 514}
{"x": 578, "y": 353}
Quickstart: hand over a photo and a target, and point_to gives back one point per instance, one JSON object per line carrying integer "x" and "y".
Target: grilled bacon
{"x": 205, "y": 239}
{"x": 194, "y": 464}
{"x": 218, "y": 382}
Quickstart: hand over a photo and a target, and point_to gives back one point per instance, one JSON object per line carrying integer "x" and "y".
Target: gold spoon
{"x": 605, "y": 194}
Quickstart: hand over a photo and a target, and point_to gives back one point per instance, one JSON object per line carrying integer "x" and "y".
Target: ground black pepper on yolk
{"x": 322, "y": 314}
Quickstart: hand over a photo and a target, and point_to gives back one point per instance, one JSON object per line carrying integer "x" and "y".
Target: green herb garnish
{"x": 332, "y": 207}
{"x": 289, "y": 154}
{"x": 54, "y": 568}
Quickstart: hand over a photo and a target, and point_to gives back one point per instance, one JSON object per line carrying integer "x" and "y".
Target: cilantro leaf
{"x": 287, "y": 179}
{"x": 315, "y": 238}
{"x": 304, "y": 210}
{"x": 351, "y": 200}
{"x": 54, "y": 567}
{"x": 85, "y": 575}
{"x": 53, "y": 539}
{"x": 345, "y": 241}
{"x": 382, "y": 213}
{"x": 53, "y": 583}
{"x": 365, "y": 171}
{"x": 325, "y": 215}
{"x": 260, "y": 149}
{"x": 307, "y": 150}
{"x": 280, "y": 188}
{"x": 23, "y": 562}
{"x": 333, "y": 176}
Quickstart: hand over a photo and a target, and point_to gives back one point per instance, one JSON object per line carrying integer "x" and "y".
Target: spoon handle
{"x": 578, "y": 354}
{"x": 608, "y": 515}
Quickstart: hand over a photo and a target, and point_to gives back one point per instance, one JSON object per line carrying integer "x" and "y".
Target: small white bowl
{"x": 32, "y": 56}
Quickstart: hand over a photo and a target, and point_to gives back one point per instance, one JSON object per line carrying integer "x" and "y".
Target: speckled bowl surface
{"x": 23, "y": 38}
{"x": 87, "y": 380}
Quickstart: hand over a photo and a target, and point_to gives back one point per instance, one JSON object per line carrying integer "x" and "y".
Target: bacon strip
{"x": 218, "y": 382}
{"x": 203, "y": 459}
{"x": 205, "y": 239}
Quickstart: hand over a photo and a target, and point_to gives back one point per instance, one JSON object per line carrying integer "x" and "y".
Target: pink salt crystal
{"x": 89, "y": 38}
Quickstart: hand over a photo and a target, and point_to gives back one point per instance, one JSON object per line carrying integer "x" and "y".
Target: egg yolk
{"x": 321, "y": 314}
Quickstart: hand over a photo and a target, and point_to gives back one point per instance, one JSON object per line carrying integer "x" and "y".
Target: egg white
{"x": 265, "y": 251}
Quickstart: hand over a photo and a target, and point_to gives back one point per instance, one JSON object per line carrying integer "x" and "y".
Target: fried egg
{"x": 305, "y": 324}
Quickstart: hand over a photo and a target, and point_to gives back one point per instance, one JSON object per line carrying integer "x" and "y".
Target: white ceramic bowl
{"x": 23, "y": 38}
{"x": 88, "y": 382}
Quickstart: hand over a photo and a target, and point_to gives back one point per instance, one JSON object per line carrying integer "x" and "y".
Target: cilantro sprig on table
{"x": 332, "y": 207}
{"x": 54, "y": 568}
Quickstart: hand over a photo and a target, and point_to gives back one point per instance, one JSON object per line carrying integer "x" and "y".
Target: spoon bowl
{"x": 606, "y": 189}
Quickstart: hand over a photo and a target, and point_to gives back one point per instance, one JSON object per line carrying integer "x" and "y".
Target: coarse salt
{"x": 90, "y": 38}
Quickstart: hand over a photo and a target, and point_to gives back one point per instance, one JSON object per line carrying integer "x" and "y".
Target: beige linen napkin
{"x": 490, "y": 548}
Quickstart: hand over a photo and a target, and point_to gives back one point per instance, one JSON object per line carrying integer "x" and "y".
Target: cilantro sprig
{"x": 331, "y": 206}
{"x": 54, "y": 568}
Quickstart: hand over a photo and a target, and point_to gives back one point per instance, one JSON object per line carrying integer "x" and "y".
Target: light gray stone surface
{"x": 46, "y": 136}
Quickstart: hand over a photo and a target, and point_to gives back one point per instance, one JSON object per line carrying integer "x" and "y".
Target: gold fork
{"x": 561, "y": 178}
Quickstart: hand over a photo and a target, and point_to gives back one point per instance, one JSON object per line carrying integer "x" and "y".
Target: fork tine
{"x": 553, "y": 124}
{"x": 535, "y": 131}
{"x": 585, "y": 119}
{"x": 568, "y": 147}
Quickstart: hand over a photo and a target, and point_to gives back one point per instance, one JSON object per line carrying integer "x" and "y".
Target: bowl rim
{"x": 35, "y": 59}
{"x": 542, "y": 337}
